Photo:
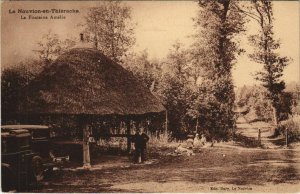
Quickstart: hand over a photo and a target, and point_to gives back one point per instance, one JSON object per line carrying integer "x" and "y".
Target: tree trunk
{"x": 286, "y": 137}
{"x": 275, "y": 118}
{"x": 86, "y": 148}
{"x": 166, "y": 127}
{"x": 197, "y": 125}
{"x": 96, "y": 40}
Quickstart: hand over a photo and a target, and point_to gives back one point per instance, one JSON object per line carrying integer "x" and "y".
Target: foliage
{"x": 160, "y": 140}
{"x": 293, "y": 126}
{"x": 294, "y": 90}
{"x": 13, "y": 82}
{"x": 218, "y": 23}
{"x": 285, "y": 105}
{"x": 51, "y": 46}
{"x": 16, "y": 78}
{"x": 265, "y": 53}
{"x": 148, "y": 71}
{"x": 170, "y": 81}
{"x": 174, "y": 96}
{"x": 117, "y": 144}
{"x": 110, "y": 28}
{"x": 195, "y": 83}
{"x": 254, "y": 98}
{"x": 173, "y": 88}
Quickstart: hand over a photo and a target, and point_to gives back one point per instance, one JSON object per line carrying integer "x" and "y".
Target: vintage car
{"x": 20, "y": 166}
{"x": 40, "y": 137}
{"x": 40, "y": 143}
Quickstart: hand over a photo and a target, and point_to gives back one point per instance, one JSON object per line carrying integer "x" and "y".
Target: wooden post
{"x": 275, "y": 116}
{"x": 128, "y": 136}
{"x": 234, "y": 126}
{"x": 86, "y": 148}
{"x": 259, "y": 137}
{"x": 197, "y": 123}
{"x": 286, "y": 137}
{"x": 166, "y": 127}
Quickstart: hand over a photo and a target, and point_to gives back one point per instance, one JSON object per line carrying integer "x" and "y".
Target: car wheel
{"x": 37, "y": 168}
{"x": 7, "y": 181}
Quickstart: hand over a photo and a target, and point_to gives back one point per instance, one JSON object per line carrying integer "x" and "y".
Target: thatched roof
{"x": 84, "y": 81}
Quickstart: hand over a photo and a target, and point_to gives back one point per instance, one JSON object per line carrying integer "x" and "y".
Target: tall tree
{"x": 266, "y": 53}
{"x": 13, "y": 82}
{"x": 148, "y": 71}
{"x": 110, "y": 28}
{"x": 16, "y": 78}
{"x": 173, "y": 88}
{"x": 218, "y": 24}
{"x": 51, "y": 46}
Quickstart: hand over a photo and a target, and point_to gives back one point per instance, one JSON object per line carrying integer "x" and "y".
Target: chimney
{"x": 81, "y": 37}
{"x": 96, "y": 41}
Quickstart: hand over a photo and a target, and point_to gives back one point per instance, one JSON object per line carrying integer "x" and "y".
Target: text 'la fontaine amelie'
{"x": 32, "y": 14}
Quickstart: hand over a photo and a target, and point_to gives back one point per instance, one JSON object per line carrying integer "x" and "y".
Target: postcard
{"x": 150, "y": 96}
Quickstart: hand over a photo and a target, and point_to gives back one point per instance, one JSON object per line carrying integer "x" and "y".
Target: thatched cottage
{"x": 83, "y": 82}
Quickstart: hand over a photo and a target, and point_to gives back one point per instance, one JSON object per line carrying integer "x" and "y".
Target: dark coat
{"x": 140, "y": 141}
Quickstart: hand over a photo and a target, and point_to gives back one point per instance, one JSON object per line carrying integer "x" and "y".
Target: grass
{"x": 293, "y": 127}
{"x": 158, "y": 143}
{"x": 244, "y": 141}
{"x": 210, "y": 166}
{"x": 161, "y": 140}
{"x": 216, "y": 165}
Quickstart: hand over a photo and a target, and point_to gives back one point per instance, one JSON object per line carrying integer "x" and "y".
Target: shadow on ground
{"x": 210, "y": 165}
{"x": 248, "y": 142}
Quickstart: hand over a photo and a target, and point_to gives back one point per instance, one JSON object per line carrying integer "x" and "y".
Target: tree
{"x": 110, "y": 28}
{"x": 15, "y": 79}
{"x": 148, "y": 71}
{"x": 218, "y": 24}
{"x": 13, "y": 82}
{"x": 51, "y": 46}
{"x": 177, "y": 62}
{"x": 173, "y": 88}
{"x": 266, "y": 53}
{"x": 258, "y": 104}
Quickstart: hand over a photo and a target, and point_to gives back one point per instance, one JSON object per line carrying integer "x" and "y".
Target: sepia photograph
{"x": 199, "y": 96}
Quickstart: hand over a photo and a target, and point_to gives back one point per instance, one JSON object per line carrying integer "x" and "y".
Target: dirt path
{"x": 222, "y": 168}
{"x": 250, "y": 130}
{"x": 210, "y": 170}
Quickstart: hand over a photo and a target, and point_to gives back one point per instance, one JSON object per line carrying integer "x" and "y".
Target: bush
{"x": 293, "y": 126}
{"x": 112, "y": 143}
{"x": 119, "y": 144}
{"x": 160, "y": 140}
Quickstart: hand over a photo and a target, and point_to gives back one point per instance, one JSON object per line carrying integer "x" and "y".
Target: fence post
{"x": 286, "y": 137}
{"x": 197, "y": 125}
{"x": 166, "y": 122}
{"x": 259, "y": 137}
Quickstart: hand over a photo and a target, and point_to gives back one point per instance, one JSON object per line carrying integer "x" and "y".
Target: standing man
{"x": 140, "y": 140}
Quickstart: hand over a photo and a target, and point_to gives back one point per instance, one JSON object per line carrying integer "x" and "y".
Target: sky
{"x": 159, "y": 25}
